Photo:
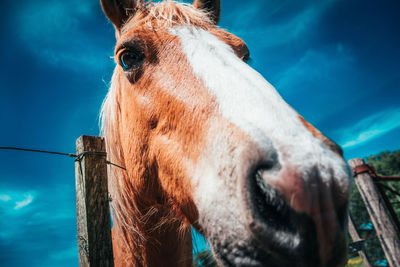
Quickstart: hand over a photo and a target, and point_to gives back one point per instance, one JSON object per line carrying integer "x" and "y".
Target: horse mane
{"x": 125, "y": 212}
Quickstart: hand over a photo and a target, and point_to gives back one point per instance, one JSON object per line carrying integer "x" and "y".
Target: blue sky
{"x": 335, "y": 61}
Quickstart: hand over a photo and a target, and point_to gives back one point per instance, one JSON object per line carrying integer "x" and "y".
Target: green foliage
{"x": 361, "y": 217}
{"x": 386, "y": 163}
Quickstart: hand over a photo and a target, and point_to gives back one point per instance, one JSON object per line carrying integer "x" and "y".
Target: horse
{"x": 208, "y": 143}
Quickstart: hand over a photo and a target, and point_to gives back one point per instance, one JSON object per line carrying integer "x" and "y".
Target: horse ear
{"x": 118, "y": 11}
{"x": 213, "y": 7}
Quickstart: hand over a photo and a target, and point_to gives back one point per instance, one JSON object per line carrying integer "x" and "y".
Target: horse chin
{"x": 273, "y": 234}
{"x": 251, "y": 253}
{"x": 246, "y": 254}
{"x": 258, "y": 251}
{"x": 272, "y": 242}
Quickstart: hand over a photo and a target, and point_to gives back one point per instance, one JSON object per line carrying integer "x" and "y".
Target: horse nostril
{"x": 275, "y": 226}
{"x": 268, "y": 202}
{"x": 269, "y": 211}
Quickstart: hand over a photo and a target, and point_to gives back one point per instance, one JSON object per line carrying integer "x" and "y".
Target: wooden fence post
{"x": 356, "y": 238}
{"x": 93, "y": 213}
{"x": 384, "y": 226}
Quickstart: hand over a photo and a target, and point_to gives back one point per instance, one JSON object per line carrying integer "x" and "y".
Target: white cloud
{"x": 53, "y": 205}
{"x": 65, "y": 254}
{"x": 55, "y": 32}
{"x": 370, "y": 127}
{"x": 23, "y": 203}
{"x": 15, "y": 200}
{"x": 47, "y": 21}
{"x": 316, "y": 67}
{"x": 243, "y": 16}
{"x": 277, "y": 32}
{"x": 321, "y": 82}
{"x": 5, "y": 198}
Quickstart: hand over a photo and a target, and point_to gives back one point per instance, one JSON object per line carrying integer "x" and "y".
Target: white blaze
{"x": 248, "y": 101}
{"x": 245, "y": 98}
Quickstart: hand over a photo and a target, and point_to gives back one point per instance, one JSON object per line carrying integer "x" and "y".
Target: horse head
{"x": 208, "y": 142}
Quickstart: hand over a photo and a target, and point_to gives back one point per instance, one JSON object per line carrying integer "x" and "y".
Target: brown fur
{"x": 150, "y": 132}
{"x": 317, "y": 134}
{"x": 158, "y": 135}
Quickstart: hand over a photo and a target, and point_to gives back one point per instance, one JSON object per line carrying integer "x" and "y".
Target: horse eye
{"x": 131, "y": 59}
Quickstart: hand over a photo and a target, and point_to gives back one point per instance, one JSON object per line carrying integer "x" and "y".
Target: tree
{"x": 388, "y": 163}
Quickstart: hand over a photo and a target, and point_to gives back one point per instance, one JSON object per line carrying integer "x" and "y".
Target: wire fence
{"x": 77, "y": 157}
{"x": 370, "y": 240}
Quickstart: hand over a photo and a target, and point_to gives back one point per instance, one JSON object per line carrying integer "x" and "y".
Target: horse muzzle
{"x": 295, "y": 218}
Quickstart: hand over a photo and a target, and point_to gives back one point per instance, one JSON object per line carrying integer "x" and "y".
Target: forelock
{"x": 167, "y": 14}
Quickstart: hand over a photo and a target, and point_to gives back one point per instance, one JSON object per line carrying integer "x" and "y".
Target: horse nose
{"x": 306, "y": 208}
